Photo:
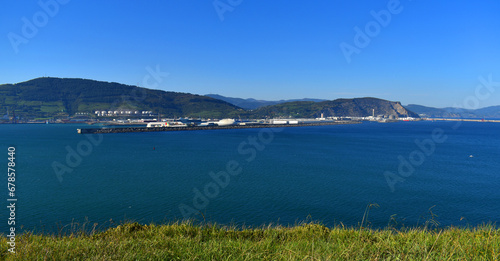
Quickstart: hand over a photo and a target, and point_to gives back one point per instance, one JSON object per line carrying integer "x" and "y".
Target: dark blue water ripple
{"x": 328, "y": 173}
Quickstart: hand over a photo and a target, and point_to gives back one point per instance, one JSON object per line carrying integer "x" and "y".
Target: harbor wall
{"x": 193, "y": 128}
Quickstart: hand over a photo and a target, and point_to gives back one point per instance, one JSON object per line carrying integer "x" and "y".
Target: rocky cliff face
{"x": 363, "y": 107}
{"x": 401, "y": 111}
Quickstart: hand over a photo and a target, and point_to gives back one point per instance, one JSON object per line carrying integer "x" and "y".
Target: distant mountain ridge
{"x": 450, "y": 112}
{"x": 252, "y": 104}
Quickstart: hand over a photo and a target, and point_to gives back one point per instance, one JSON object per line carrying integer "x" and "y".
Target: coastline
{"x": 194, "y": 128}
{"x": 458, "y": 119}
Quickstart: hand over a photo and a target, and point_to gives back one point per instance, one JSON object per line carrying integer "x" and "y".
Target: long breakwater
{"x": 193, "y": 128}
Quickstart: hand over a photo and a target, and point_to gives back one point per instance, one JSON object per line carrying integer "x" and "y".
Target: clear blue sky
{"x": 430, "y": 52}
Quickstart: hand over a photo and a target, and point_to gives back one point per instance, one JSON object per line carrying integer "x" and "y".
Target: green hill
{"x": 59, "y": 97}
{"x": 358, "y": 107}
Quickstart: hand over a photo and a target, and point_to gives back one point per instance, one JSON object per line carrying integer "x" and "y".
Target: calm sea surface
{"x": 326, "y": 173}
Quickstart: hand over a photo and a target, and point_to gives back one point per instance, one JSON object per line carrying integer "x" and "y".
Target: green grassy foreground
{"x": 311, "y": 241}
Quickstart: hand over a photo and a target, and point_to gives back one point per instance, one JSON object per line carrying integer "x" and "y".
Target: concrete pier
{"x": 193, "y": 128}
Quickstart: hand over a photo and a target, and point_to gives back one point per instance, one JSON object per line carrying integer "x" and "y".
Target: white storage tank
{"x": 225, "y": 122}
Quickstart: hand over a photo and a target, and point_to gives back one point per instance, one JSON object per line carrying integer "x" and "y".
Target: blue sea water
{"x": 324, "y": 173}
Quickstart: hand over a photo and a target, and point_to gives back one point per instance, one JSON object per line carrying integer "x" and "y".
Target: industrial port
{"x": 191, "y": 125}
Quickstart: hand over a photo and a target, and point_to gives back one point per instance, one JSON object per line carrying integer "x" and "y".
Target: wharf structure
{"x": 209, "y": 127}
